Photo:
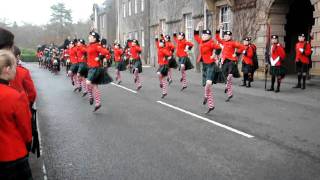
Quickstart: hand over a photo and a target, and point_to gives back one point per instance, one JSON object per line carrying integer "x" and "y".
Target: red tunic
{"x": 248, "y": 53}
{"x": 93, "y": 52}
{"x": 277, "y": 55}
{"x": 117, "y": 54}
{"x": 306, "y": 52}
{"x": 206, "y": 49}
{"x": 170, "y": 47}
{"x": 24, "y": 84}
{"x": 163, "y": 52}
{"x": 181, "y": 46}
{"x": 228, "y": 48}
{"x": 15, "y": 124}
{"x": 73, "y": 55}
{"x": 81, "y": 50}
{"x": 135, "y": 52}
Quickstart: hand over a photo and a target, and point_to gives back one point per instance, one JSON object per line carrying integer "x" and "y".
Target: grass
{"x": 28, "y": 55}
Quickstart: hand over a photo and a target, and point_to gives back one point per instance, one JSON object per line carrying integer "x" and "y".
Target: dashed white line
{"x": 207, "y": 120}
{"x": 125, "y": 88}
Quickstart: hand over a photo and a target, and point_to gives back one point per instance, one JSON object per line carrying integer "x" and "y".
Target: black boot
{"x": 304, "y": 82}
{"x": 249, "y": 84}
{"x": 299, "y": 82}
{"x": 273, "y": 79}
{"x": 244, "y": 80}
{"x": 278, "y": 87}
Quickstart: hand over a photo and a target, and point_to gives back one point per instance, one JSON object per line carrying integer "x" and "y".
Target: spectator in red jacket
{"x": 15, "y": 125}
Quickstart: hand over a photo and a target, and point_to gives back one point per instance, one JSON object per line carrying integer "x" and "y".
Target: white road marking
{"x": 146, "y": 66}
{"x": 125, "y": 88}
{"x": 207, "y": 120}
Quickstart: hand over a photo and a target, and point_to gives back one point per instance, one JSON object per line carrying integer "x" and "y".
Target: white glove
{"x": 301, "y": 50}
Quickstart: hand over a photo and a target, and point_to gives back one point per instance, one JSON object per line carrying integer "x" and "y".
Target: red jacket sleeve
{"x": 281, "y": 52}
{"x": 190, "y": 44}
{"x": 23, "y": 118}
{"x": 308, "y": 50}
{"x": 29, "y": 87}
{"x": 197, "y": 36}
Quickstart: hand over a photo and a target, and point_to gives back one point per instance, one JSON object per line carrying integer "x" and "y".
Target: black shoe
{"x": 181, "y": 79}
{"x": 96, "y": 108}
{"x": 75, "y": 89}
{"x": 183, "y": 88}
{"x": 84, "y": 94}
{"x": 205, "y": 100}
{"x": 225, "y": 90}
{"x": 79, "y": 89}
{"x": 303, "y": 87}
{"x": 138, "y": 88}
{"x": 271, "y": 89}
{"x": 91, "y": 101}
{"x": 297, "y": 86}
{"x": 119, "y": 82}
{"x": 135, "y": 80}
{"x": 72, "y": 83}
{"x": 161, "y": 86}
{"x": 170, "y": 81}
{"x": 163, "y": 95}
{"x": 276, "y": 91}
{"x": 229, "y": 98}
{"x": 209, "y": 110}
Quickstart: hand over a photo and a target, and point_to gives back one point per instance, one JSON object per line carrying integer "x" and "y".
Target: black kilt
{"x": 173, "y": 63}
{"x": 230, "y": 67}
{"x": 163, "y": 69}
{"x": 99, "y": 75}
{"x": 187, "y": 63}
{"x": 247, "y": 68}
{"x": 74, "y": 68}
{"x": 277, "y": 71}
{"x": 301, "y": 67}
{"x": 121, "y": 66}
{"x": 213, "y": 73}
{"x": 137, "y": 64}
{"x": 83, "y": 69}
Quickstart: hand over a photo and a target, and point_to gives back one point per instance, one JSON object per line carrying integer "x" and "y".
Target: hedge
{"x": 28, "y": 55}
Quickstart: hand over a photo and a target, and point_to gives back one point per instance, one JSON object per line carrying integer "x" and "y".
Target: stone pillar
{"x": 316, "y": 35}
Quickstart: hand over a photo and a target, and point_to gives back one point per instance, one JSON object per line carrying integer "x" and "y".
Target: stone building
{"x": 142, "y": 19}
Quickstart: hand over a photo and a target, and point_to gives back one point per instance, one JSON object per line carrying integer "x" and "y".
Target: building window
{"x": 226, "y": 18}
{"x": 189, "y": 26}
{"x": 124, "y": 9}
{"x": 142, "y": 5}
{"x": 142, "y": 38}
{"x": 136, "y": 6}
{"x": 129, "y": 8}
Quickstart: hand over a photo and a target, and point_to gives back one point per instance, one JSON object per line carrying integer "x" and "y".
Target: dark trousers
{"x": 16, "y": 170}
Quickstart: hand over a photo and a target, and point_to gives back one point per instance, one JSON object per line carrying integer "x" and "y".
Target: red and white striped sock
{"x": 75, "y": 80}
{"x": 137, "y": 77}
{"x": 206, "y": 91}
{"x": 211, "y": 102}
{"x": 229, "y": 85}
{"x": 89, "y": 88}
{"x": 97, "y": 95}
{"x": 184, "y": 77}
{"x": 164, "y": 85}
{"x": 84, "y": 85}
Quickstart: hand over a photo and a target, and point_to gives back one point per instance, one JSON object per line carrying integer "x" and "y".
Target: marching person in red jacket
{"x": 276, "y": 62}
{"x": 83, "y": 68}
{"x": 229, "y": 59}
{"x": 96, "y": 73}
{"x": 74, "y": 64}
{"x": 247, "y": 51}
{"x": 172, "y": 61}
{"x": 119, "y": 64}
{"x": 303, "y": 52}
{"x": 15, "y": 123}
{"x": 135, "y": 51}
{"x": 207, "y": 57}
{"x": 163, "y": 56}
{"x": 183, "y": 47}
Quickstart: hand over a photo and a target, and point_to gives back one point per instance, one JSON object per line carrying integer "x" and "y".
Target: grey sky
{"x": 38, "y": 11}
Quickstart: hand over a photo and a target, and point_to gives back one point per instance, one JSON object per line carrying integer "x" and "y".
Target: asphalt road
{"x": 137, "y": 136}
